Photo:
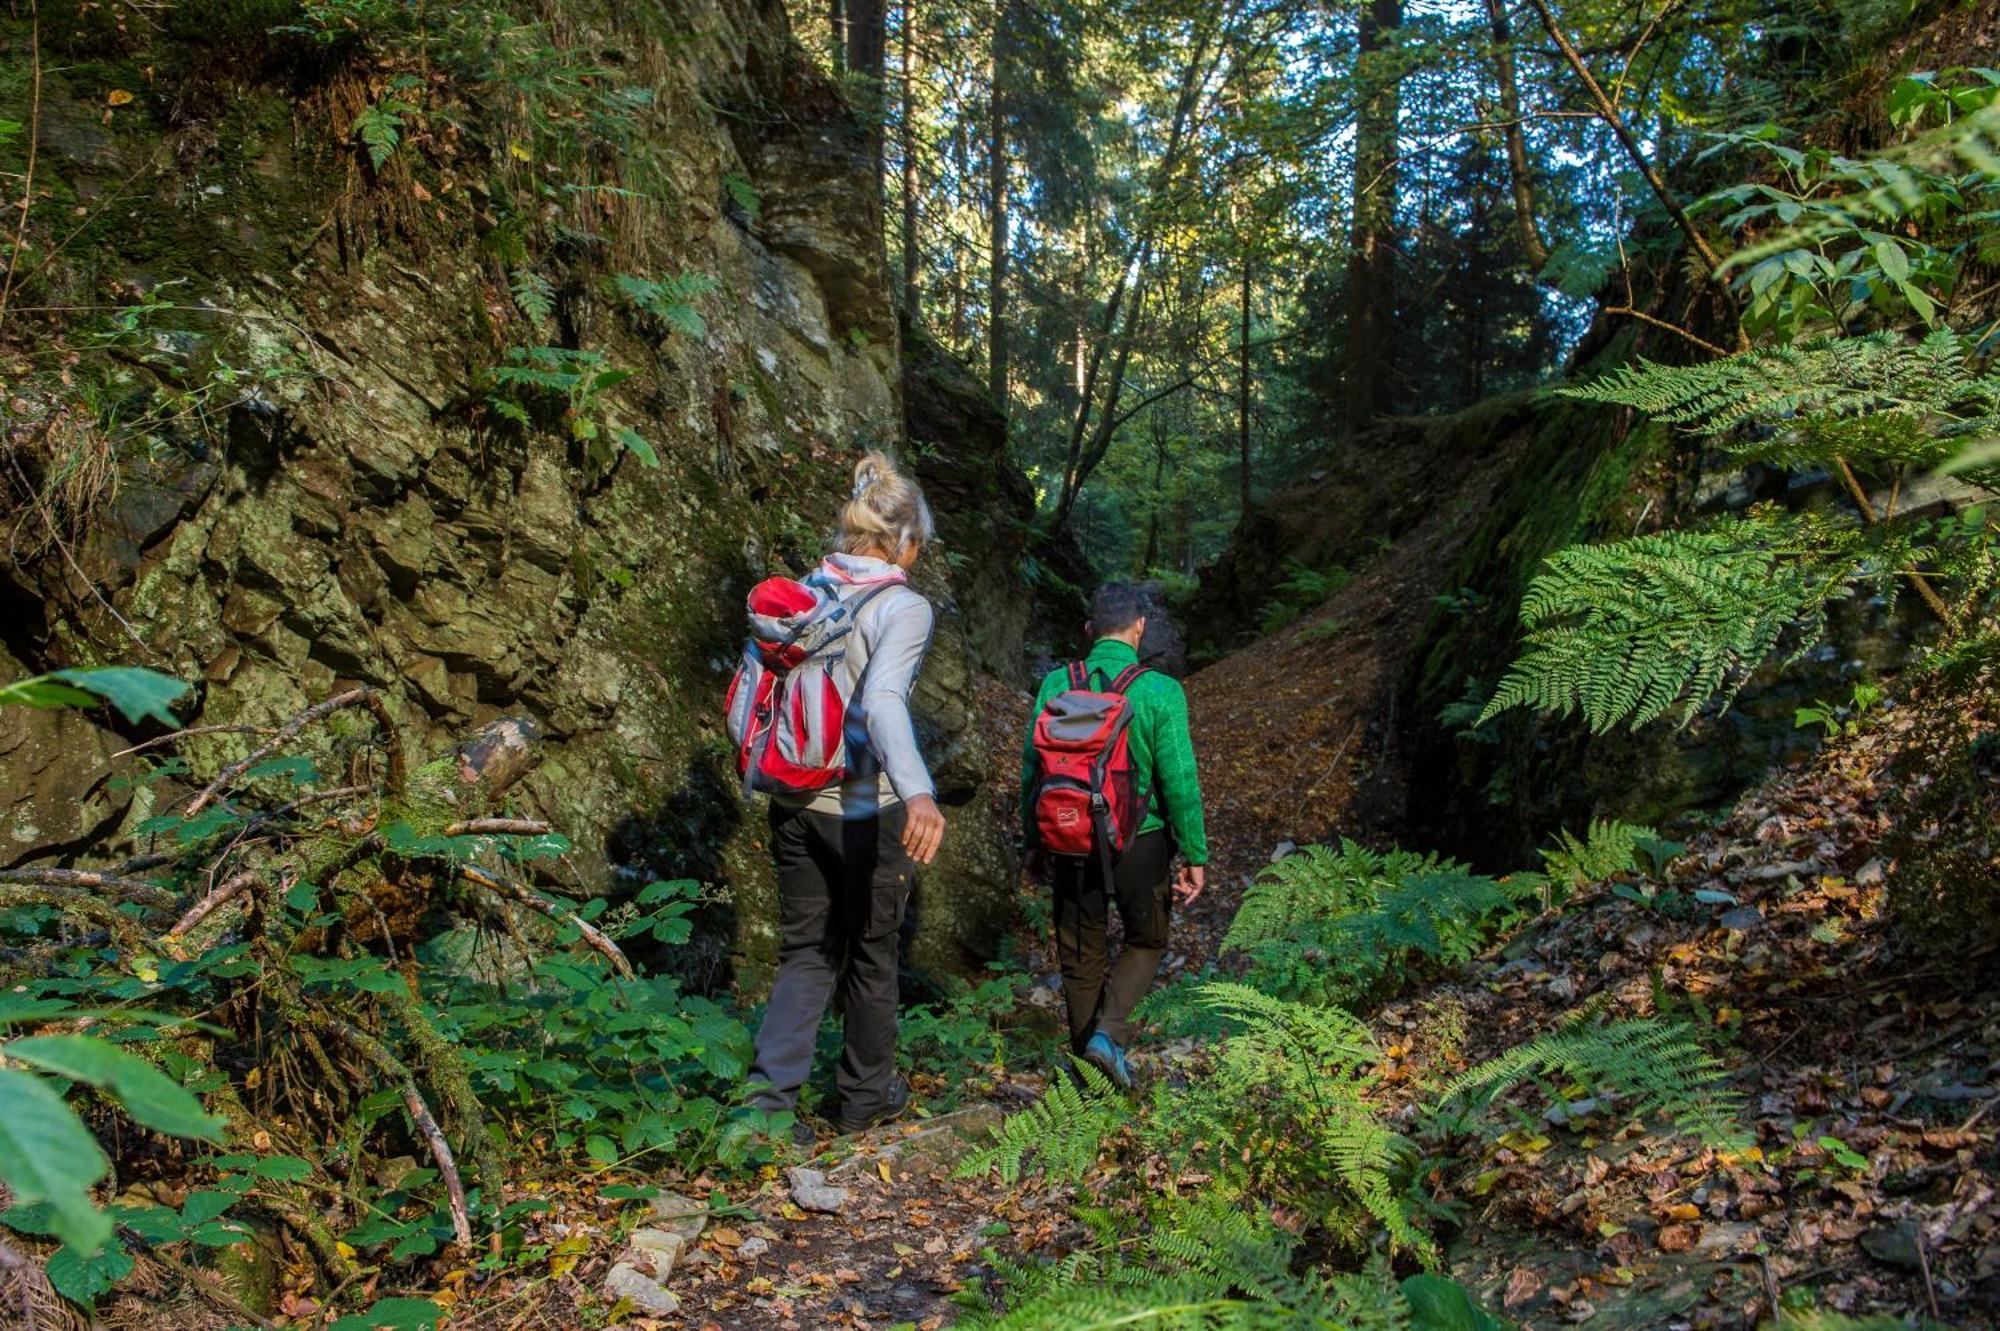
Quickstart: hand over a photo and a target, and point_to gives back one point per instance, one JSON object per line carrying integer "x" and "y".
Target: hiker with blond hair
{"x": 820, "y": 713}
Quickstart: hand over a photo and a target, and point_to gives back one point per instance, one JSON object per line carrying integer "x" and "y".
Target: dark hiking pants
{"x": 1099, "y": 994}
{"x": 842, "y": 887}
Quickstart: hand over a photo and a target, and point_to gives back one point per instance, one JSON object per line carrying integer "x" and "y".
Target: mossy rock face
{"x": 367, "y": 519}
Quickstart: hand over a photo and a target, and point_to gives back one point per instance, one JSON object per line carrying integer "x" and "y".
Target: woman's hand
{"x": 923, "y": 830}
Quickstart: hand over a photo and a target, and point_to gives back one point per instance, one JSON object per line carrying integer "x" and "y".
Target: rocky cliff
{"x": 367, "y": 337}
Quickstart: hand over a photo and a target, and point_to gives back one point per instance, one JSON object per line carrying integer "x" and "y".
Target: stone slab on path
{"x": 927, "y": 1146}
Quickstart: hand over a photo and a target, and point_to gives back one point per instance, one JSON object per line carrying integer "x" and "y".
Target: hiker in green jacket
{"x": 1100, "y": 994}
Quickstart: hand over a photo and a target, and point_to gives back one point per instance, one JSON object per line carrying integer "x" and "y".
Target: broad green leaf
{"x": 1895, "y": 263}
{"x": 47, "y": 1155}
{"x": 636, "y": 444}
{"x": 42, "y": 691}
{"x": 80, "y": 1276}
{"x": 134, "y": 690}
{"x": 1441, "y": 1304}
{"x": 393, "y": 1315}
{"x": 147, "y": 1093}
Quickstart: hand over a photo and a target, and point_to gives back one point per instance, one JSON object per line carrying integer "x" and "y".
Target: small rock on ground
{"x": 647, "y": 1294}
{"x": 812, "y": 1193}
{"x": 660, "y": 1249}
{"x": 682, "y": 1215}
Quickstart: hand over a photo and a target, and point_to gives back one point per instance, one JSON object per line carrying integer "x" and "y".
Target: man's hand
{"x": 923, "y": 831}
{"x": 1189, "y": 882}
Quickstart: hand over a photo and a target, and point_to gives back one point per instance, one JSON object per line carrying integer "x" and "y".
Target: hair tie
{"x": 862, "y": 481}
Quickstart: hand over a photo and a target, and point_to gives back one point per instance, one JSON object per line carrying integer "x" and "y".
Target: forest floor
{"x": 1871, "y": 1080}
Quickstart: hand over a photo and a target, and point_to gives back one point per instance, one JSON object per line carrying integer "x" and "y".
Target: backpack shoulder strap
{"x": 1126, "y": 677}
{"x": 1079, "y": 675}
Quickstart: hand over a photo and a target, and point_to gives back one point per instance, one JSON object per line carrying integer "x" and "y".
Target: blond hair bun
{"x": 886, "y": 511}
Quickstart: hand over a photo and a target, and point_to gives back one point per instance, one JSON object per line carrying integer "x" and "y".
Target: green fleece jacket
{"x": 1162, "y": 749}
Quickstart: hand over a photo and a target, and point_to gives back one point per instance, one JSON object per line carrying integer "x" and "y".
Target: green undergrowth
{"x": 1260, "y": 1179}
{"x": 398, "y": 990}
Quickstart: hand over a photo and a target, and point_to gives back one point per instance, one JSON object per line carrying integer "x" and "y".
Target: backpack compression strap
{"x": 1079, "y": 675}
{"x": 1125, "y": 678}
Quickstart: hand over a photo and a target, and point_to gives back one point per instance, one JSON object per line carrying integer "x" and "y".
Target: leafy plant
{"x": 1332, "y": 924}
{"x": 1634, "y": 630}
{"x": 669, "y": 300}
{"x": 1838, "y": 719}
{"x": 1284, "y": 1114}
{"x": 579, "y": 381}
{"x": 1060, "y": 1134}
{"x": 1657, "y": 1067}
{"x": 379, "y": 126}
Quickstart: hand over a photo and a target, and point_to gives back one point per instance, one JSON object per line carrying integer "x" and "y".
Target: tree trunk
{"x": 867, "y": 59}
{"x": 1152, "y": 555}
{"x": 1081, "y": 462}
{"x": 1371, "y": 256}
{"x": 1243, "y": 385}
{"x": 961, "y": 258}
{"x": 996, "y": 217}
{"x": 1513, "y": 135}
{"x": 909, "y": 150}
{"x": 836, "y": 22}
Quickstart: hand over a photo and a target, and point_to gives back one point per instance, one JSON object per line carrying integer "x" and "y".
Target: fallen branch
{"x": 420, "y": 1114}
{"x": 498, "y": 827}
{"x": 377, "y": 1053}
{"x": 127, "y": 889}
{"x": 541, "y": 905}
{"x": 224, "y": 893}
{"x": 362, "y": 697}
{"x": 1870, "y": 517}
{"x": 94, "y": 909}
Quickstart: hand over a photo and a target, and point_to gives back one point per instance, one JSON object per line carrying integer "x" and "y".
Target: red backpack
{"x": 1087, "y": 796}
{"x": 787, "y": 713}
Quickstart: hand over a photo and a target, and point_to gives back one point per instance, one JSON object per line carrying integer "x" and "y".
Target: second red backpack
{"x": 1087, "y": 794}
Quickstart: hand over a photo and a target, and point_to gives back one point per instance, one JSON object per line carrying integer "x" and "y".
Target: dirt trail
{"x": 1296, "y": 734}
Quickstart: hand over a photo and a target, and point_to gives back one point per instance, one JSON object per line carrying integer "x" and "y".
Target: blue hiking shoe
{"x": 1104, "y": 1054}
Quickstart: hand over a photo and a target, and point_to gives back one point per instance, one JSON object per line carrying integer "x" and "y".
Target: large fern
{"x": 1284, "y": 1112}
{"x": 1061, "y": 1134}
{"x": 1925, "y": 394}
{"x": 1333, "y": 924}
{"x": 1634, "y": 630}
{"x": 1206, "y": 1263}
{"x": 1656, "y": 1066}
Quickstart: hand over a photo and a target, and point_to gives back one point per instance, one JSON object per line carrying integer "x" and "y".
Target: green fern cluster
{"x": 1284, "y": 1112}
{"x": 1205, "y": 1264}
{"x": 1919, "y": 395}
{"x": 1657, "y": 1067}
{"x": 1332, "y": 924}
{"x": 1633, "y": 630}
{"x": 1608, "y": 847}
{"x": 1061, "y": 1134}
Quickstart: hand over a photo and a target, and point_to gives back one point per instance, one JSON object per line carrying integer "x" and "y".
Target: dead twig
{"x": 224, "y": 893}
{"x": 136, "y": 890}
{"x": 34, "y": 139}
{"x": 178, "y": 735}
{"x": 374, "y": 1051}
{"x": 498, "y": 827}
{"x": 362, "y": 697}
{"x": 541, "y": 905}
{"x": 1870, "y": 517}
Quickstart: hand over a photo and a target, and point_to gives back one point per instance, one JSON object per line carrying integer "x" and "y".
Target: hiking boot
{"x": 898, "y": 1101}
{"x": 1104, "y": 1054}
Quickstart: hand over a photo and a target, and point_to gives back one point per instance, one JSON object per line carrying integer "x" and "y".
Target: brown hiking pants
{"x": 1099, "y": 993}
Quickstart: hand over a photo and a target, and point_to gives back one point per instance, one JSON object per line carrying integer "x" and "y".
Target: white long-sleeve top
{"x": 884, "y": 652}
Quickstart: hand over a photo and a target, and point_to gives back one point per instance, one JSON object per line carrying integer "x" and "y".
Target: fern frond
{"x": 535, "y": 297}
{"x": 1608, "y": 847}
{"x": 1063, "y": 1131}
{"x": 1659, "y": 1066}
{"x": 1930, "y": 385}
{"x": 1632, "y": 630}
